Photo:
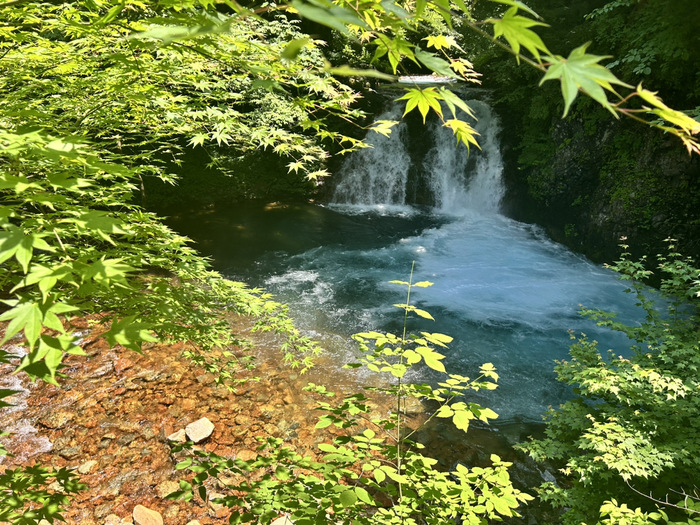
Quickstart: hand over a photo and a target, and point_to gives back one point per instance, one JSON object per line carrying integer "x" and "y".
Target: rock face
{"x": 146, "y": 516}
{"x": 590, "y": 184}
{"x": 199, "y": 430}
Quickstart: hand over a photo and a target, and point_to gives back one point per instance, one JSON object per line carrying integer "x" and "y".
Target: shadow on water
{"x": 254, "y": 234}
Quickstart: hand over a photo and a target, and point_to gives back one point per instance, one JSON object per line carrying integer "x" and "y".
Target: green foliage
{"x": 516, "y": 30}
{"x": 375, "y": 473}
{"x": 150, "y": 80}
{"x": 632, "y": 431}
{"x": 31, "y": 494}
{"x": 97, "y": 97}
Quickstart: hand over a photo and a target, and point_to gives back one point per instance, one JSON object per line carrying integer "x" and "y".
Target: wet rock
{"x": 549, "y": 477}
{"x": 243, "y": 420}
{"x": 178, "y": 437}
{"x": 87, "y": 467}
{"x": 56, "y": 420}
{"x": 199, "y": 430}
{"x": 220, "y": 392}
{"x": 103, "y": 510}
{"x": 145, "y": 516}
{"x": 216, "y": 510}
{"x": 171, "y": 513}
{"x": 148, "y": 432}
{"x": 126, "y": 439}
{"x": 206, "y": 379}
{"x": 70, "y": 452}
{"x": 246, "y": 455}
{"x": 115, "y": 483}
{"x": 167, "y": 487}
{"x": 412, "y": 405}
{"x": 122, "y": 364}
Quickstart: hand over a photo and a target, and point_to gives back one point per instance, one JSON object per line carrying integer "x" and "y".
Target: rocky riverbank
{"x": 114, "y": 410}
{"x": 112, "y": 413}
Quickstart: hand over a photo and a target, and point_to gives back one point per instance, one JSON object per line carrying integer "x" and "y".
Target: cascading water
{"x": 378, "y": 175}
{"x": 457, "y": 185}
{"x": 457, "y": 179}
{"x": 504, "y": 291}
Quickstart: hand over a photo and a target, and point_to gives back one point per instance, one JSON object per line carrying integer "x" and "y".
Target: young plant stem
{"x": 398, "y": 392}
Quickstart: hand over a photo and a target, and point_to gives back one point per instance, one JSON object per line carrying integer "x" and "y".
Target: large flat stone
{"x": 145, "y": 516}
{"x": 199, "y": 430}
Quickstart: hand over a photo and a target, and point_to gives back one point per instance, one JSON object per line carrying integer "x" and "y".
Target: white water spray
{"x": 505, "y": 292}
{"x": 378, "y": 174}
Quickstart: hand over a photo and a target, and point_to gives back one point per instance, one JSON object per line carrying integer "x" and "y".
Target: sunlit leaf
{"x": 582, "y": 71}
{"x": 434, "y": 63}
{"x": 440, "y": 42}
{"x": 293, "y": 48}
{"x": 384, "y": 127}
{"x": 423, "y": 99}
{"x": 347, "y": 71}
{"x": 348, "y": 498}
{"x": 516, "y": 30}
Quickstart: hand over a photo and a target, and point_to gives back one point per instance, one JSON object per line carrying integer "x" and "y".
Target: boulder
{"x": 177, "y": 437}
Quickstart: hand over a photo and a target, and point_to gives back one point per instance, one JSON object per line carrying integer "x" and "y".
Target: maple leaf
{"x": 582, "y": 71}
{"x": 464, "y": 132}
{"x": 516, "y": 30}
{"x": 424, "y": 100}
{"x": 441, "y": 41}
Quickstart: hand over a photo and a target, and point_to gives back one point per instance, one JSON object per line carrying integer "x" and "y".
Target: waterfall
{"x": 378, "y": 174}
{"x": 453, "y": 179}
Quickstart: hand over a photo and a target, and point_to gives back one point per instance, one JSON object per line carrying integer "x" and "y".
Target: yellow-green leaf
{"x": 424, "y": 99}
{"x": 516, "y": 30}
{"x": 582, "y": 71}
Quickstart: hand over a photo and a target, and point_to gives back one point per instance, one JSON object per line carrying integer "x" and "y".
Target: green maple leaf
{"x": 516, "y": 30}
{"x": 424, "y": 100}
{"x": 519, "y": 4}
{"x": 464, "y": 132}
{"x": 395, "y": 49}
{"x": 582, "y": 71}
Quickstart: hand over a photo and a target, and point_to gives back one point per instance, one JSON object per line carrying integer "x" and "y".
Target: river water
{"x": 503, "y": 290}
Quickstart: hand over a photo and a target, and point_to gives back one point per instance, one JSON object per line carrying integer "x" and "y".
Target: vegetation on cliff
{"x": 591, "y": 179}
